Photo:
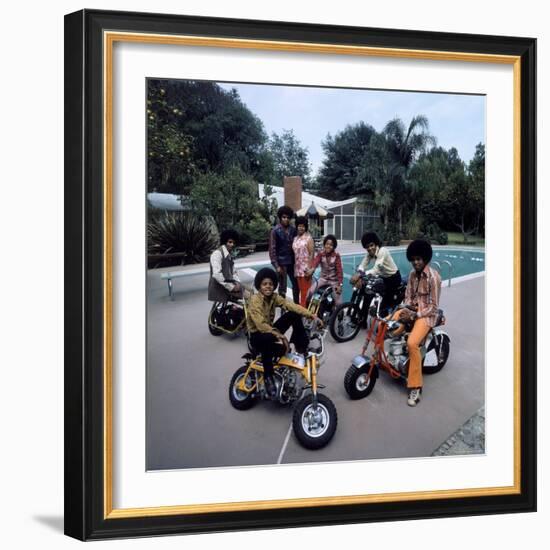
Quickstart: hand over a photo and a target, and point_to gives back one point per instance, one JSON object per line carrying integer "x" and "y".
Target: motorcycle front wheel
{"x": 314, "y": 424}
{"x": 358, "y": 383}
{"x": 345, "y": 322}
{"x": 239, "y": 399}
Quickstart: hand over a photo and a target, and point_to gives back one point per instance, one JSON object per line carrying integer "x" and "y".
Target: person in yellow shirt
{"x": 268, "y": 337}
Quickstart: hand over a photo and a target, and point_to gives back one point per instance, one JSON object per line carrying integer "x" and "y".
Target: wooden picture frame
{"x": 89, "y": 39}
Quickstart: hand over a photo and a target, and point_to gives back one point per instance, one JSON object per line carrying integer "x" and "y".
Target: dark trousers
{"x": 266, "y": 343}
{"x": 391, "y": 285}
{"x": 288, "y": 270}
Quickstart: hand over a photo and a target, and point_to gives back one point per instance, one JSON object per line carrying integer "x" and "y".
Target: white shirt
{"x": 216, "y": 263}
{"x": 384, "y": 266}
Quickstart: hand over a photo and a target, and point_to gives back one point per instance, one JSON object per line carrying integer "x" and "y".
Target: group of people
{"x": 292, "y": 255}
{"x": 291, "y": 251}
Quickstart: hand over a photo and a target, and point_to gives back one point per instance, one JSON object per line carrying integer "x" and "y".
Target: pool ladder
{"x": 447, "y": 263}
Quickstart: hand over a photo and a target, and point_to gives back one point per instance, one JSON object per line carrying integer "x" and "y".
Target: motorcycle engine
{"x": 288, "y": 379}
{"x": 398, "y": 355}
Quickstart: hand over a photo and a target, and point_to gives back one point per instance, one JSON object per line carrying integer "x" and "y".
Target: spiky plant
{"x": 184, "y": 232}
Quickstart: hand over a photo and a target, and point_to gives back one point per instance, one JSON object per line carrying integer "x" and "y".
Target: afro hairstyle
{"x": 301, "y": 220}
{"x": 331, "y": 238}
{"x": 285, "y": 211}
{"x": 370, "y": 237}
{"x": 227, "y": 234}
{"x": 266, "y": 273}
{"x": 421, "y": 248}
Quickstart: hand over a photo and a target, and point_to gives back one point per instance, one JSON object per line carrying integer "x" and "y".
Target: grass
{"x": 457, "y": 238}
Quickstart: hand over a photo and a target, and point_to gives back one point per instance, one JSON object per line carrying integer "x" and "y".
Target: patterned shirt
{"x": 302, "y": 255}
{"x": 331, "y": 266}
{"x": 384, "y": 266}
{"x": 261, "y": 312}
{"x": 423, "y": 292}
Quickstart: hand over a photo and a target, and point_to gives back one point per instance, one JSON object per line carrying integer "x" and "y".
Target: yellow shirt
{"x": 261, "y": 312}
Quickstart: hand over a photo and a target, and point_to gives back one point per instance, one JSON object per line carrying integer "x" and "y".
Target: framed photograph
{"x": 300, "y": 274}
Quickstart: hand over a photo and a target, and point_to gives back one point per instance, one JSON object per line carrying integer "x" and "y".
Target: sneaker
{"x": 414, "y": 397}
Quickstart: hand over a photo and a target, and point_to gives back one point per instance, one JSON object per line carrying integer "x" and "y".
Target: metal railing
{"x": 450, "y": 270}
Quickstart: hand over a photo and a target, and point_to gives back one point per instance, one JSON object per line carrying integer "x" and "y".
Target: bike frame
{"x": 308, "y": 372}
{"x": 376, "y": 334}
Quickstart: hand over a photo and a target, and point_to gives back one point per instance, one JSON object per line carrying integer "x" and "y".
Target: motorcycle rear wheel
{"x": 314, "y": 425}
{"x": 443, "y": 345}
{"x": 358, "y": 383}
{"x": 239, "y": 399}
{"x": 344, "y": 323}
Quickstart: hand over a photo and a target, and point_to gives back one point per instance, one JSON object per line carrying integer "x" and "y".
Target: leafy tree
{"x": 212, "y": 126}
{"x": 289, "y": 157}
{"x": 230, "y": 198}
{"x": 476, "y": 174}
{"x": 339, "y": 174}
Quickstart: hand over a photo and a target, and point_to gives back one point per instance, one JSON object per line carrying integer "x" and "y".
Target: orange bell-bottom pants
{"x": 419, "y": 332}
{"x": 303, "y": 285}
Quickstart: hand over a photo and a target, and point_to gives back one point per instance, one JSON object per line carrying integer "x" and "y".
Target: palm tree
{"x": 405, "y": 144}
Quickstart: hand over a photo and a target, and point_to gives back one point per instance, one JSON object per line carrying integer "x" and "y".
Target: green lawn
{"x": 457, "y": 238}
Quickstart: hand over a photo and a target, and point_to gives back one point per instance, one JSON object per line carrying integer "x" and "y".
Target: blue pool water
{"x": 463, "y": 262}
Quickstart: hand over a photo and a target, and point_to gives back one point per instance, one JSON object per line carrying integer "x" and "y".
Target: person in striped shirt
{"x": 421, "y": 308}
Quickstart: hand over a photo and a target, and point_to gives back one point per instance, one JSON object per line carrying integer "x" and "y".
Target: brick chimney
{"x": 293, "y": 192}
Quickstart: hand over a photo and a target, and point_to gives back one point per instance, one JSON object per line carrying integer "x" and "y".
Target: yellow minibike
{"x": 295, "y": 376}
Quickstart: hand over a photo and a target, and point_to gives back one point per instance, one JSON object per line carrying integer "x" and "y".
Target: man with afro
{"x": 421, "y": 308}
{"x": 281, "y": 253}
{"x": 224, "y": 282}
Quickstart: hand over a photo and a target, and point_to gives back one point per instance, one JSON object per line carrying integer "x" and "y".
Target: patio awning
{"x": 314, "y": 211}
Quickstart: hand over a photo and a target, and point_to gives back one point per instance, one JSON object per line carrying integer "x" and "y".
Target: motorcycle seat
{"x": 323, "y": 288}
{"x": 440, "y": 319}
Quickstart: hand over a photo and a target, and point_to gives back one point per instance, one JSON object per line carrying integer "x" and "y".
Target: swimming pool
{"x": 463, "y": 262}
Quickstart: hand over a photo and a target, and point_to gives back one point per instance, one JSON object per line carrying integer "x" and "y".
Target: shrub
{"x": 256, "y": 231}
{"x": 183, "y": 232}
{"x": 434, "y": 234}
{"x": 390, "y": 236}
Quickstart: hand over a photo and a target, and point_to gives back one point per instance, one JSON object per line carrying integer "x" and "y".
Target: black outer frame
{"x": 84, "y": 515}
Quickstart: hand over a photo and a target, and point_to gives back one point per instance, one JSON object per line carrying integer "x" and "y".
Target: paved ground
{"x": 191, "y": 424}
{"x": 467, "y": 440}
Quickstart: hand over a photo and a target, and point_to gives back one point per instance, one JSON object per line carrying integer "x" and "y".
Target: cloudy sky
{"x": 455, "y": 120}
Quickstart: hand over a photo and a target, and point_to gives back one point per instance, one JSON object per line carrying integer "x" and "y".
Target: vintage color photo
{"x": 315, "y": 274}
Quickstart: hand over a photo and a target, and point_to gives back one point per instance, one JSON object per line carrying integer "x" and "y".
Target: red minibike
{"x": 390, "y": 353}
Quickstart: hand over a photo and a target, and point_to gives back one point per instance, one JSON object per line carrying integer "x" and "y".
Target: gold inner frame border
{"x": 109, "y": 39}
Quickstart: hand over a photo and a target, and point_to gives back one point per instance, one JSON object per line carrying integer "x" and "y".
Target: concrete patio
{"x": 191, "y": 424}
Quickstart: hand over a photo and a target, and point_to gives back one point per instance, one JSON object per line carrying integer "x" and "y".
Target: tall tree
{"x": 339, "y": 174}
{"x": 476, "y": 175}
{"x": 375, "y": 175}
{"x": 405, "y": 145}
{"x": 289, "y": 157}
